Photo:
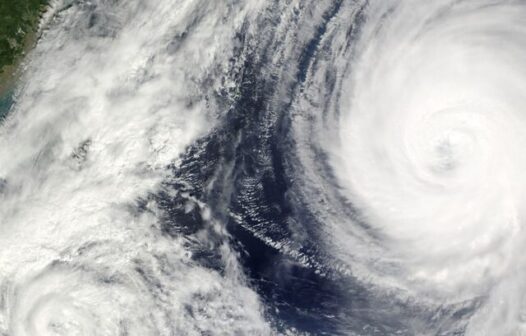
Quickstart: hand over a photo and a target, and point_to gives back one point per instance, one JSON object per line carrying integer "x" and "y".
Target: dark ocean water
{"x": 193, "y": 167}
{"x": 6, "y": 101}
{"x": 246, "y": 171}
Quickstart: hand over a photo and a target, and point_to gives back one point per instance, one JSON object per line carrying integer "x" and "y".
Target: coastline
{"x": 10, "y": 73}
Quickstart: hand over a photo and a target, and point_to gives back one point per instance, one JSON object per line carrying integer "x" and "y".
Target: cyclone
{"x": 187, "y": 167}
{"x": 426, "y": 144}
{"x": 85, "y": 144}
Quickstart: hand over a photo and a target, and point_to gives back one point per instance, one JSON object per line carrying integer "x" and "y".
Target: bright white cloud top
{"x": 333, "y": 166}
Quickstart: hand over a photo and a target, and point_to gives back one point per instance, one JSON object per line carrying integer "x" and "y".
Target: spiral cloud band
{"x": 188, "y": 167}
{"x": 431, "y": 141}
{"x": 101, "y": 114}
{"x": 430, "y": 149}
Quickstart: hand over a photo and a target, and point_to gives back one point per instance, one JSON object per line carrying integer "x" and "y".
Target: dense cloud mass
{"x": 247, "y": 167}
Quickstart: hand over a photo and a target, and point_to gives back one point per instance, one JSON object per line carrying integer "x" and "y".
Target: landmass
{"x": 19, "y": 21}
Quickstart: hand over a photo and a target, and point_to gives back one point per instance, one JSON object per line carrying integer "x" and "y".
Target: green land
{"x": 18, "y": 27}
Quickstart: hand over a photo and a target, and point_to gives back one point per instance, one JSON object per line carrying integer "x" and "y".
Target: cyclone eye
{"x": 262, "y": 167}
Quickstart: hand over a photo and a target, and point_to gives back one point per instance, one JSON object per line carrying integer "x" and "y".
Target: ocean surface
{"x": 248, "y": 167}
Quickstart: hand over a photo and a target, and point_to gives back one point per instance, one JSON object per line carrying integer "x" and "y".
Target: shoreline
{"x": 10, "y": 74}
